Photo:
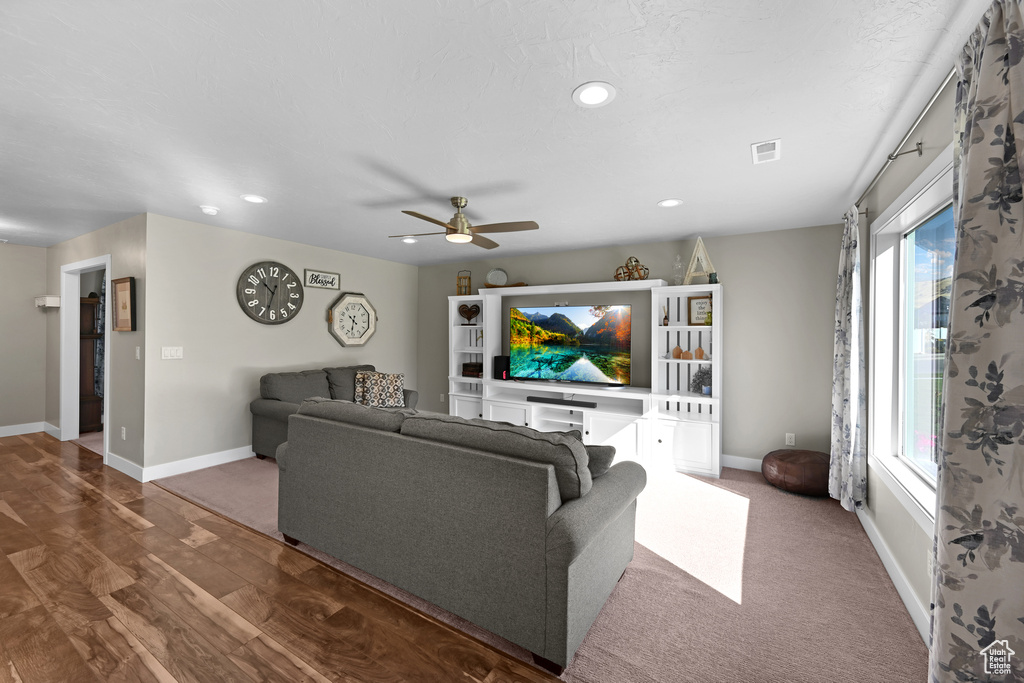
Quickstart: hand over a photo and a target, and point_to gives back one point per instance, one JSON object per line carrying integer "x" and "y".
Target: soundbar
{"x": 561, "y": 401}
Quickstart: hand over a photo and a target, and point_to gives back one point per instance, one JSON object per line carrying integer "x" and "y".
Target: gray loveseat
{"x": 522, "y": 533}
{"x": 282, "y": 392}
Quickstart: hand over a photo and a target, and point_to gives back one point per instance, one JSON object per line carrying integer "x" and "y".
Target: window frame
{"x": 927, "y": 195}
{"x": 901, "y": 416}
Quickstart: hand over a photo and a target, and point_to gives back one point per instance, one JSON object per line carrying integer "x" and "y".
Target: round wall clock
{"x": 352, "y": 319}
{"x": 270, "y": 292}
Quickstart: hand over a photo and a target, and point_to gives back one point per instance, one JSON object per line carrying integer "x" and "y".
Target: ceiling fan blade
{"x": 505, "y": 227}
{"x": 420, "y": 234}
{"x": 429, "y": 219}
{"x": 482, "y": 241}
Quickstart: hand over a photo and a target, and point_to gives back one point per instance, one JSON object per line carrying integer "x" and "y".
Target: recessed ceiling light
{"x": 593, "y": 94}
{"x": 209, "y": 210}
{"x": 668, "y": 203}
{"x": 254, "y": 198}
{"x": 410, "y": 240}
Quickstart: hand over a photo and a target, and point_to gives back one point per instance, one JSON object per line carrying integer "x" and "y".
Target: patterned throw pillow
{"x": 380, "y": 389}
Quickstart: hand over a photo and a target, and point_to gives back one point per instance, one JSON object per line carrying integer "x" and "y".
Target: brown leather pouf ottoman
{"x": 803, "y": 472}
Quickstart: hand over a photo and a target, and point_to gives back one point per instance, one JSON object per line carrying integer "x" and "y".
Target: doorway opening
{"x": 84, "y": 362}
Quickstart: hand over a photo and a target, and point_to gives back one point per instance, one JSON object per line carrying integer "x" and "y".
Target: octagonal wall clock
{"x": 270, "y": 292}
{"x": 352, "y": 319}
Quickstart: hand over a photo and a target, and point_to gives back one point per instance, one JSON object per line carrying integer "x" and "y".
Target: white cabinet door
{"x": 687, "y": 446}
{"x": 507, "y": 412}
{"x": 466, "y": 406}
{"x": 623, "y": 432}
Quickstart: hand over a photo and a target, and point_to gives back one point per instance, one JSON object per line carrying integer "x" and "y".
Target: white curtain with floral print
{"x": 977, "y": 630}
{"x": 847, "y": 477}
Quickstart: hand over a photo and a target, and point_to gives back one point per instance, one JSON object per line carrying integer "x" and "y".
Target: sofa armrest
{"x": 576, "y": 523}
{"x": 411, "y": 398}
{"x": 272, "y": 408}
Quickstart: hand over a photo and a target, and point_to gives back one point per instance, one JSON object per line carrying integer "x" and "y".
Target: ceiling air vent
{"x": 763, "y": 152}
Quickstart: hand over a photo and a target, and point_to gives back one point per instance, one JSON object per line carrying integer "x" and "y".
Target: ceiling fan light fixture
{"x": 593, "y": 94}
{"x": 669, "y": 203}
{"x": 209, "y": 210}
{"x": 410, "y": 240}
{"x": 254, "y": 199}
{"x": 459, "y": 237}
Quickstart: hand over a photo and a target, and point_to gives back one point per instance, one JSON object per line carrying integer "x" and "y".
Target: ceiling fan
{"x": 459, "y": 230}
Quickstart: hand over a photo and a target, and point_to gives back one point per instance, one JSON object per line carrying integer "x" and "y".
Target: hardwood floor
{"x": 105, "y": 578}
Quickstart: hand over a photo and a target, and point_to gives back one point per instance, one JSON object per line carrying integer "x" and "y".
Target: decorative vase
{"x": 677, "y": 271}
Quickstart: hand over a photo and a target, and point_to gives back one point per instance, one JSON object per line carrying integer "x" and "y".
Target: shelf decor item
{"x": 686, "y": 355}
{"x": 677, "y": 352}
{"x": 462, "y": 282}
{"x": 664, "y": 321}
{"x": 699, "y": 353}
{"x": 677, "y": 271}
{"x": 698, "y": 308}
{"x": 707, "y": 318}
{"x": 701, "y": 379}
{"x": 700, "y": 264}
{"x": 469, "y": 312}
{"x": 633, "y": 270}
{"x": 124, "y": 304}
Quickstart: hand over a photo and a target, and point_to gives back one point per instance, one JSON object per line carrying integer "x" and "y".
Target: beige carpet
{"x": 91, "y": 440}
{"x": 732, "y": 580}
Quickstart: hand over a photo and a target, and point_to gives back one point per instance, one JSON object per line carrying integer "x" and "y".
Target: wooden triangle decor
{"x": 700, "y": 258}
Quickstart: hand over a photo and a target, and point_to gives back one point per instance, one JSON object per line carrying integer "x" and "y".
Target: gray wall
{"x": 200, "y": 404}
{"x": 22, "y": 335}
{"x": 126, "y": 244}
{"x": 910, "y": 545}
{"x": 779, "y": 291}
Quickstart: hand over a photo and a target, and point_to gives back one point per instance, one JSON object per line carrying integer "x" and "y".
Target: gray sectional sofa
{"x": 523, "y": 533}
{"x": 282, "y": 392}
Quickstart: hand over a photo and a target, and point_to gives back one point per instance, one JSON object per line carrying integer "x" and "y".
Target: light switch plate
{"x": 171, "y": 353}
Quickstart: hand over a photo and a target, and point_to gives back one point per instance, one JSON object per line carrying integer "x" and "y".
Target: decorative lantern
{"x": 462, "y": 282}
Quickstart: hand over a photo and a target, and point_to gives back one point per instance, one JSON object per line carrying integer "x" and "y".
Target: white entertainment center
{"x": 661, "y": 426}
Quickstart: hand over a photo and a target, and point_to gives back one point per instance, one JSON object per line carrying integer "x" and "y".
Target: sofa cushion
{"x": 294, "y": 387}
{"x": 343, "y": 381}
{"x": 599, "y": 459}
{"x": 384, "y": 419}
{"x": 566, "y": 453}
{"x": 380, "y": 389}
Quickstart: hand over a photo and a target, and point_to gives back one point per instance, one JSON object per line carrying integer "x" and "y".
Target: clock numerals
{"x": 261, "y": 296}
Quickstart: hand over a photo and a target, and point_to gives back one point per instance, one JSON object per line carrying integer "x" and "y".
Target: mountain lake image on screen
{"x": 570, "y": 343}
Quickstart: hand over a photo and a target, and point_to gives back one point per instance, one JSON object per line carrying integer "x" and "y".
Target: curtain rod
{"x": 896, "y": 153}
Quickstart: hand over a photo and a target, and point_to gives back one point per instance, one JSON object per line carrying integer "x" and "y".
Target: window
{"x": 911, "y": 262}
{"x": 927, "y": 264}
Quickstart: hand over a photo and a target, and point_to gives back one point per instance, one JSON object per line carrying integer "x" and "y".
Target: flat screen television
{"x": 570, "y": 343}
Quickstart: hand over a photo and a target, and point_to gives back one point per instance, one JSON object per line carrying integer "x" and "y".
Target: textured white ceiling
{"x": 343, "y": 113}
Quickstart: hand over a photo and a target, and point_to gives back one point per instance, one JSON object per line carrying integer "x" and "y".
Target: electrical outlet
{"x": 790, "y": 439}
{"x": 138, "y": 353}
{"x": 124, "y": 433}
{"x": 442, "y": 398}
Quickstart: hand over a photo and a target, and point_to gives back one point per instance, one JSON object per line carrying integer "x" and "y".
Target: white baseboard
{"x": 51, "y": 430}
{"x": 918, "y": 611}
{"x": 27, "y": 428}
{"x": 740, "y": 463}
{"x": 126, "y": 466}
{"x": 170, "y": 469}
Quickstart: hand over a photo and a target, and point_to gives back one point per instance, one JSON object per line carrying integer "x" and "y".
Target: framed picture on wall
{"x": 124, "y": 304}
{"x": 697, "y": 309}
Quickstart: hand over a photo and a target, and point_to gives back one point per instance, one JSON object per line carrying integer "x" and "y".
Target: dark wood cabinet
{"x": 90, "y": 405}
